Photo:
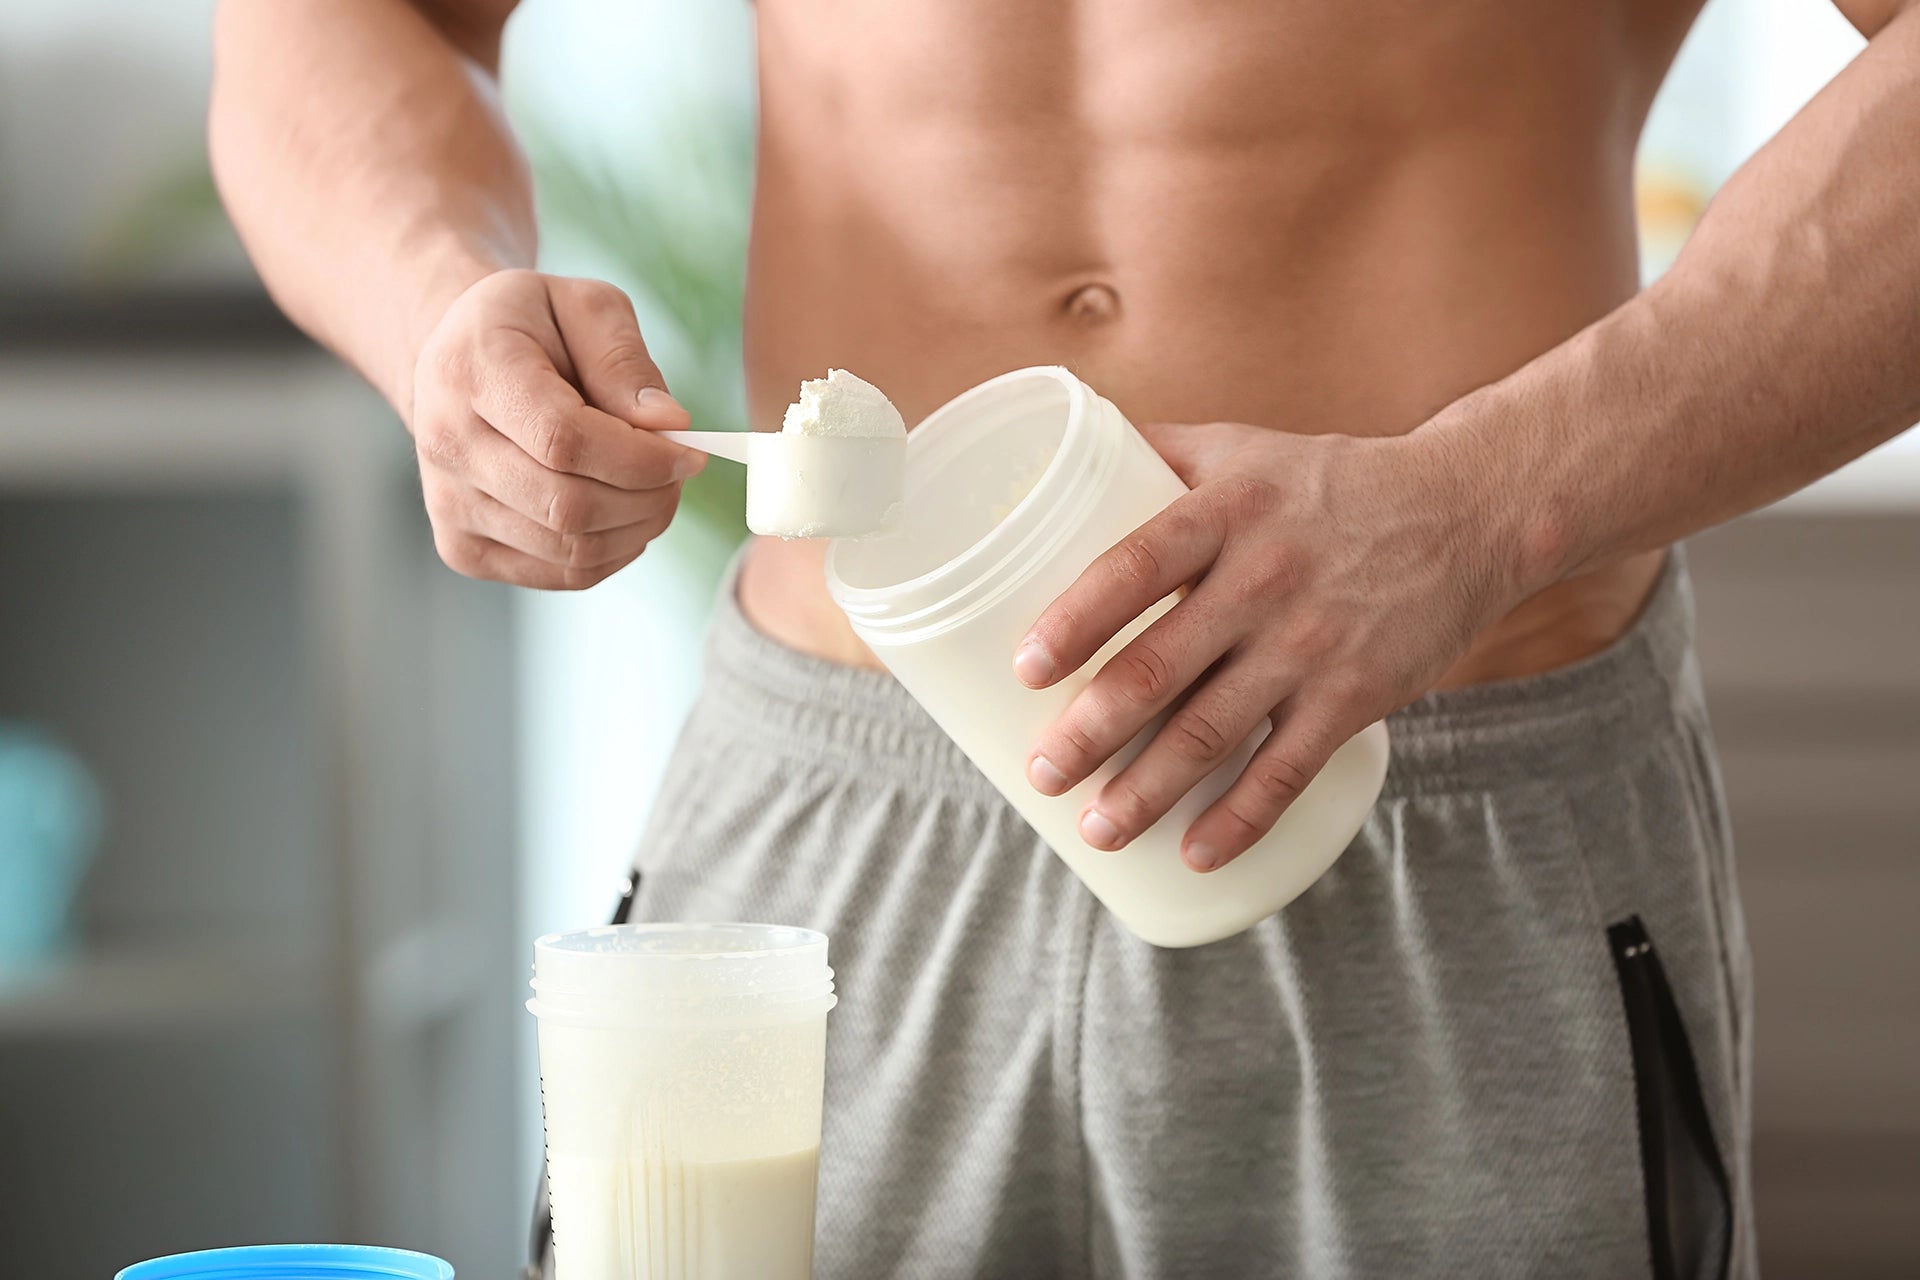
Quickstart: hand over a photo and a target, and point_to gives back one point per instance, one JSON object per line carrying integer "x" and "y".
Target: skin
{"x": 1364, "y": 273}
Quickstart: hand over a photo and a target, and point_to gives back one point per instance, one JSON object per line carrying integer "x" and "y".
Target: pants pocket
{"x": 1689, "y": 1204}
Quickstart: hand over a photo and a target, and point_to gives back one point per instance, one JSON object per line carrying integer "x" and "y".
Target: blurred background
{"x": 283, "y": 803}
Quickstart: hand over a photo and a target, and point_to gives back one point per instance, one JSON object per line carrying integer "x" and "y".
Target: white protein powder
{"x": 837, "y": 466}
{"x": 842, "y": 405}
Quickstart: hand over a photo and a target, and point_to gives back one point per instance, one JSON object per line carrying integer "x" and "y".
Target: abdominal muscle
{"x": 1272, "y": 218}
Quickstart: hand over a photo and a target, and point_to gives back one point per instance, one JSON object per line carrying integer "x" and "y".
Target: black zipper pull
{"x": 625, "y": 907}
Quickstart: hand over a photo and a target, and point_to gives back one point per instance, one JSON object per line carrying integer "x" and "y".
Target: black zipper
{"x": 1689, "y": 1203}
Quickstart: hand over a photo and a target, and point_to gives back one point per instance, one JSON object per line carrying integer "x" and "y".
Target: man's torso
{"x": 1315, "y": 217}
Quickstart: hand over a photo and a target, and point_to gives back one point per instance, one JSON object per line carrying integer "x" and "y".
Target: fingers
{"x": 615, "y": 372}
{"x": 1305, "y": 735}
{"x": 482, "y": 538}
{"x": 1134, "y": 686}
{"x": 1207, "y": 728}
{"x": 564, "y": 504}
{"x": 478, "y": 557}
{"x": 522, "y": 397}
{"x": 1167, "y": 552}
{"x": 490, "y": 518}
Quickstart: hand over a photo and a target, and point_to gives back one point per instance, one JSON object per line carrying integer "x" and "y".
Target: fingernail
{"x": 690, "y": 465}
{"x": 1045, "y": 776}
{"x": 1033, "y": 665}
{"x": 1098, "y": 830}
{"x": 654, "y": 400}
{"x": 1201, "y": 857}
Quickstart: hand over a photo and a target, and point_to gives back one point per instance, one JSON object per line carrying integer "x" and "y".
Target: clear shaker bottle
{"x": 681, "y": 1073}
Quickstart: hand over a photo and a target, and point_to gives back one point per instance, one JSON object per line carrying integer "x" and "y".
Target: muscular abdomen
{"x": 1315, "y": 215}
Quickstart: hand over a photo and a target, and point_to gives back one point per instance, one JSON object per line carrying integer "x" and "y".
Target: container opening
{"x": 684, "y": 941}
{"x": 969, "y": 467}
{"x": 713, "y": 971}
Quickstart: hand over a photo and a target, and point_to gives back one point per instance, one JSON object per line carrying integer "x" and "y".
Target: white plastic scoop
{"x": 811, "y": 486}
{"x": 836, "y": 468}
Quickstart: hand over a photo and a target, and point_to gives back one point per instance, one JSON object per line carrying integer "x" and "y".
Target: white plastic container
{"x": 682, "y": 1071}
{"x": 1012, "y": 489}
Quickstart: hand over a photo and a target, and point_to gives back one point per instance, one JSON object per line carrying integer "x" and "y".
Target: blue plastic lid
{"x": 293, "y": 1262}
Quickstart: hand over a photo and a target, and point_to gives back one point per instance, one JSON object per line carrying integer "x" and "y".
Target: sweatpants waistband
{"x": 767, "y": 696}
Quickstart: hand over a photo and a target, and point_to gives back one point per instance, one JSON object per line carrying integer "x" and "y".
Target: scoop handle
{"x": 721, "y": 444}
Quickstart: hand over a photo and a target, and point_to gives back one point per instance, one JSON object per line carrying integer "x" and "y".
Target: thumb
{"x": 612, "y": 367}
{"x": 1195, "y": 450}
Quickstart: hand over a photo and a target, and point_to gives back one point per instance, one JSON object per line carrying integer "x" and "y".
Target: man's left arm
{"x": 1332, "y": 579}
{"x": 1783, "y": 342}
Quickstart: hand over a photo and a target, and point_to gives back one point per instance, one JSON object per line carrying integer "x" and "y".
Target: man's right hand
{"x": 534, "y": 406}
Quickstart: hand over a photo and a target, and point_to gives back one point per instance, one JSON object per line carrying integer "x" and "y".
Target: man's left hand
{"x": 1330, "y": 580}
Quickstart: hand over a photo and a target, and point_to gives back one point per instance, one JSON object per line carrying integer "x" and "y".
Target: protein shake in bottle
{"x": 682, "y": 1071}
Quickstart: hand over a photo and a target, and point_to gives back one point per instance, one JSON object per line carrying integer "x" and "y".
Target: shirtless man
{"x": 1379, "y": 258}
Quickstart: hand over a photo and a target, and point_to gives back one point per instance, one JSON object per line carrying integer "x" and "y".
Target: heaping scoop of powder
{"x": 837, "y": 466}
{"x": 841, "y": 404}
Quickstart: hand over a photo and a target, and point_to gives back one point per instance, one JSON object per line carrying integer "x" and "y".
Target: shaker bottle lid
{"x": 293, "y": 1262}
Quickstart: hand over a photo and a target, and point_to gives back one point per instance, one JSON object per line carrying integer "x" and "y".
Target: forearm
{"x": 1784, "y": 342}
{"x": 360, "y": 150}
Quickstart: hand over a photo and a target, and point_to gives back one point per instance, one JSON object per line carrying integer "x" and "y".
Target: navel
{"x": 1093, "y": 304}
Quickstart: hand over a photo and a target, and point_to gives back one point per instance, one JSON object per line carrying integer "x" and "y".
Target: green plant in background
{"x": 674, "y": 236}
{"x": 177, "y": 209}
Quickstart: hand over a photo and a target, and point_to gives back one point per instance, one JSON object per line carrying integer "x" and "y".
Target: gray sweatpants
{"x": 1506, "y": 1035}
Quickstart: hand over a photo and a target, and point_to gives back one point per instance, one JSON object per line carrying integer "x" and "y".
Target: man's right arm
{"x": 360, "y": 149}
